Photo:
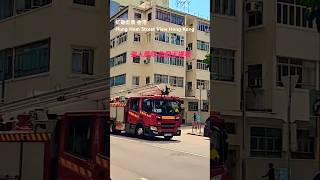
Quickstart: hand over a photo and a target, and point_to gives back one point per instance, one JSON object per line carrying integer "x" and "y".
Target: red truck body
{"x": 218, "y": 170}
{"x": 148, "y": 115}
{"x": 77, "y": 149}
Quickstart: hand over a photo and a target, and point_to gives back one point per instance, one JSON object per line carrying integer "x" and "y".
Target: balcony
{"x": 202, "y": 66}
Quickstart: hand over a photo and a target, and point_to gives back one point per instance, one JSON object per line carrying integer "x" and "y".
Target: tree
{"x": 315, "y": 11}
{"x": 207, "y": 60}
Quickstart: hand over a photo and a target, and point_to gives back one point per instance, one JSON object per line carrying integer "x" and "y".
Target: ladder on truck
{"x": 148, "y": 90}
{"x": 78, "y": 92}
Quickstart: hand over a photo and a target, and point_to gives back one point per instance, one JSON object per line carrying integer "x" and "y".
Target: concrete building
{"x": 277, "y": 40}
{"x": 50, "y": 45}
{"x": 163, "y": 3}
{"x": 186, "y": 75}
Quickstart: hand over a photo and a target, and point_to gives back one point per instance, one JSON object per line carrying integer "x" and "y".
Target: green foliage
{"x": 207, "y": 59}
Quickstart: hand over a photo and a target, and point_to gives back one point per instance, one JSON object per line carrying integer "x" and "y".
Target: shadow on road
{"x": 159, "y": 140}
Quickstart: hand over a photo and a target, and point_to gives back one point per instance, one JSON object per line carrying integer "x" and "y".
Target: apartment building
{"x": 48, "y": 45}
{"x": 188, "y": 76}
{"x": 278, "y": 41}
{"x": 163, "y": 3}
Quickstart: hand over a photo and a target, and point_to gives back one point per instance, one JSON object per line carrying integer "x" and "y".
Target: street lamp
{"x": 3, "y": 83}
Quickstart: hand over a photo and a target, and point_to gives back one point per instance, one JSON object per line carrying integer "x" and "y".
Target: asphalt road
{"x": 183, "y": 158}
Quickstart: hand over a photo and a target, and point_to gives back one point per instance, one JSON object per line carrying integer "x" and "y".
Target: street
{"x": 185, "y": 157}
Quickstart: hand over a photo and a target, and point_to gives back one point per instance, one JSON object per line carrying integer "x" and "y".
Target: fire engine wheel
{"x": 140, "y": 131}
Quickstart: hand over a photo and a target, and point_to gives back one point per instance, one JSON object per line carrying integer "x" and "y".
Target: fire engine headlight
{"x": 177, "y": 117}
{"x": 153, "y": 128}
{"x": 216, "y": 177}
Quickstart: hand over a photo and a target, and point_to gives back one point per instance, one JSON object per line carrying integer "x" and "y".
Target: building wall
{"x": 46, "y": 22}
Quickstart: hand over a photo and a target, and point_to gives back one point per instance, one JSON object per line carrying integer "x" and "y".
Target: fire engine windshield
{"x": 216, "y": 148}
{"x": 166, "y": 107}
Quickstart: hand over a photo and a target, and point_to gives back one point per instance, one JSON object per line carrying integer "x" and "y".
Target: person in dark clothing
{"x": 194, "y": 126}
{"x": 270, "y": 173}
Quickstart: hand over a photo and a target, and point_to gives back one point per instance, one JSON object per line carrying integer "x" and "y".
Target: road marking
{"x": 180, "y": 151}
{"x": 143, "y": 179}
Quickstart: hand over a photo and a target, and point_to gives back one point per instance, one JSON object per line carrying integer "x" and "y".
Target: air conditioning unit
{"x": 254, "y": 6}
{"x": 146, "y": 61}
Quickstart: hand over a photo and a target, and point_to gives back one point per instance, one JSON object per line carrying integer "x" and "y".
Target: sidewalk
{"x": 188, "y": 130}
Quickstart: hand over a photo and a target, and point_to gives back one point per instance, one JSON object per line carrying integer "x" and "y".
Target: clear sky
{"x": 197, "y": 7}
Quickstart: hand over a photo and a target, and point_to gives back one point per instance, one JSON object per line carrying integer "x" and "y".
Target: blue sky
{"x": 197, "y": 7}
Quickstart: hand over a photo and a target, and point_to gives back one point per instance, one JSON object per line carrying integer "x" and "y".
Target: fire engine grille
{"x": 168, "y": 125}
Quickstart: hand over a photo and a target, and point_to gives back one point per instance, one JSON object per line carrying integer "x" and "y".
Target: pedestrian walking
{"x": 199, "y": 122}
{"x": 194, "y": 122}
{"x": 270, "y": 174}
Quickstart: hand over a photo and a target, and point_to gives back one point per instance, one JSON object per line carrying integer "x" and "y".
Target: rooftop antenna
{"x": 184, "y": 4}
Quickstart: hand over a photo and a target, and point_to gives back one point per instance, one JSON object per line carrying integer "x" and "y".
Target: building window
{"x": 292, "y": 13}
{"x": 172, "y": 60}
{"x": 82, "y": 60}
{"x": 203, "y": 27}
{"x": 85, "y": 2}
{"x": 170, "y": 17}
{"x": 118, "y": 80}
{"x": 177, "y": 39}
{"x": 148, "y": 80}
{"x": 148, "y": 37}
{"x": 193, "y": 106}
{"x": 149, "y": 16}
{"x": 6, "y": 58}
{"x": 79, "y": 137}
{"x": 118, "y": 60}
{"x": 255, "y": 76}
{"x": 135, "y": 80}
{"x": 137, "y": 16}
{"x": 136, "y": 59}
{"x": 201, "y": 45}
{"x": 202, "y": 66}
{"x": 266, "y": 142}
{"x": 136, "y": 37}
{"x": 114, "y": 42}
{"x": 305, "y": 142}
{"x": 189, "y": 47}
{"x": 176, "y": 81}
{"x": 162, "y": 36}
{"x": 223, "y": 64}
{"x": 202, "y": 83}
{"x": 32, "y": 59}
{"x": 6, "y": 9}
{"x": 304, "y": 69}
{"x": 255, "y": 18}
{"x": 224, "y": 7}
{"x": 158, "y": 79}
{"x": 205, "y": 106}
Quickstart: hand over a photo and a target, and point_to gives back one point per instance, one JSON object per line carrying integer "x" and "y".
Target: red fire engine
{"x": 148, "y": 112}
{"x": 73, "y": 146}
{"x": 218, "y": 148}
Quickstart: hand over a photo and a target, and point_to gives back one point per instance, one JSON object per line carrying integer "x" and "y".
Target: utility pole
{"x": 289, "y": 126}
{"x": 3, "y": 84}
{"x": 243, "y": 88}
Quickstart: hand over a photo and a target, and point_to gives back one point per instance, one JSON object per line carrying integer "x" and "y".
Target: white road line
{"x": 143, "y": 179}
{"x": 170, "y": 149}
{"x": 176, "y": 150}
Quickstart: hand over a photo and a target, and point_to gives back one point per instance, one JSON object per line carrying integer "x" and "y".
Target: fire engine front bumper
{"x": 153, "y": 132}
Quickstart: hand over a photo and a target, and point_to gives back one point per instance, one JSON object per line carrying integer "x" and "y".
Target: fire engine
{"x": 37, "y": 144}
{"x": 149, "y": 111}
{"x": 218, "y": 148}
